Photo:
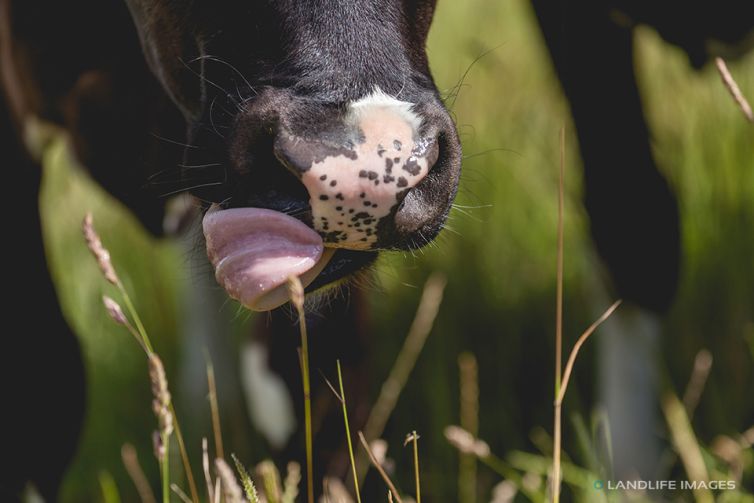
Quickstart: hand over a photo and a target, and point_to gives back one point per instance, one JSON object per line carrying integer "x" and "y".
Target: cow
{"x": 314, "y": 136}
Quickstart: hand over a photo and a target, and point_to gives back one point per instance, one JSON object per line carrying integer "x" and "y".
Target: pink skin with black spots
{"x": 351, "y": 193}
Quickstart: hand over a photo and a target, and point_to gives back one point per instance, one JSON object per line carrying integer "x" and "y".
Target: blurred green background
{"x": 499, "y": 255}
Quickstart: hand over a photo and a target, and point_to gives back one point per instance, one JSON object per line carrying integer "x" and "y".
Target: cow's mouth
{"x": 254, "y": 251}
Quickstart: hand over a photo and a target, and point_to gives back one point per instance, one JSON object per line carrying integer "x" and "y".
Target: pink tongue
{"x": 254, "y": 251}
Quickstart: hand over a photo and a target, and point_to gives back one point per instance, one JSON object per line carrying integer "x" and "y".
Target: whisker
{"x": 186, "y": 189}
{"x": 196, "y": 166}
{"x": 221, "y": 61}
{"x": 205, "y": 79}
{"x": 174, "y": 142}
{"x": 484, "y": 152}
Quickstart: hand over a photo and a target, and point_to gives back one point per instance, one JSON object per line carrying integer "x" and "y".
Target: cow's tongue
{"x": 255, "y": 250}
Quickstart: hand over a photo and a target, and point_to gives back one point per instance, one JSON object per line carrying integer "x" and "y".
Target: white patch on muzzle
{"x": 378, "y": 99}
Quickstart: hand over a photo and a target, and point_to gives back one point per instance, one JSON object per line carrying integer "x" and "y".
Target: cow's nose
{"x": 359, "y": 174}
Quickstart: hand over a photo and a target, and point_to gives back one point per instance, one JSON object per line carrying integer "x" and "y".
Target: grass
{"x": 500, "y": 265}
{"x": 225, "y": 482}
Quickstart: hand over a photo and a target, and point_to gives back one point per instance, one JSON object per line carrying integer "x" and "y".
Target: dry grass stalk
{"x": 207, "y": 474}
{"x": 561, "y": 380}
{"x": 733, "y": 89}
{"x": 699, "y": 375}
{"x": 179, "y": 492}
{"x": 429, "y": 305}
{"x": 231, "y": 490}
{"x": 184, "y": 457}
{"x": 215, "y": 410}
{"x": 580, "y": 342}
{"x": 379, "y": 468}
{"x": 414, "y": 438}
{"x": 469, "y": 413}
{"x": 557, "y": 420}
{"x": 131, "y": 462}
{"x": 296, "y": 291}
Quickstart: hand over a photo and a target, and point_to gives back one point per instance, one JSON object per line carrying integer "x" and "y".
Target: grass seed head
{"x": 161, "y": 402}
{"x": 94, "y": 243}
{"x": 231, "y": 490}
{"x": 114, "y": 311}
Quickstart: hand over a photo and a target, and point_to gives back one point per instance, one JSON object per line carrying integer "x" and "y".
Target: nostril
{"x": 423, "y": 211}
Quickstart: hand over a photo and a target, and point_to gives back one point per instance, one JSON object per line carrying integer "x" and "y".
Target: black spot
{"x": 368, "y": 221}
{"x": 350, "y": 211}
{"x": 333, "y": 183}
{"x": 361, "y": 215}
{"x": 338, "y": 208}
{"x": 367, "y": 203}
{"x": 376, "y": 182}
{"x": 340, "y": 223}
{"x": 374, "y": 205}
{"x": 396, "y": 160}
{"x": 363, "y": 173}
{"x": 397, "y": 144}
{"x": 363, "y": 195}
{"x": 388, "y": 179}
{"x": 333, "y": 236}
{"x": 380, "y": 149}
{"x": 372, "y": 175}
{"x": 402, "y": 182}
{"x": 323, "y": 177}
{"x": 339, "y": 196}
{"x": 388, "y": 165}
{"x": 363, "y": 239}
{"x": 412, "y": 166}
{"x": 323, "y": 197}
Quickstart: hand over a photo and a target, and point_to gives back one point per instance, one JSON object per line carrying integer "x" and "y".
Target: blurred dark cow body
{"x": 278, "y": 104}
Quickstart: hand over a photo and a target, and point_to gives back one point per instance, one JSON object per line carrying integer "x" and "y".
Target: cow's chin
{"x": 254, "y": 251}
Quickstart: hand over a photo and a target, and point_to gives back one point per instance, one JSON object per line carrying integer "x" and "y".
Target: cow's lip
{"x": 342, "y": 264}
{"x": 255, "y": 250}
